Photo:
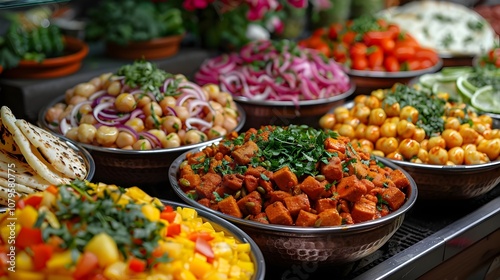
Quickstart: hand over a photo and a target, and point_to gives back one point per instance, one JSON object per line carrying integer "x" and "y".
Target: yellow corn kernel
{"x": 199, "y": 266}
{"x": 247, "y": 266}
{"x": 243, "y": 247}
{"x": 151, "y": 212}
{"x": 116, "y": 271}
{"x": 60, "y": 260}
{"x": 25, "y": 275}
{"x": 28, "y": 216}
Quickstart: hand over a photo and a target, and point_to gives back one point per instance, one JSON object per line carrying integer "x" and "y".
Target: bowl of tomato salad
{"x": 376, "y": 53}
{"x": 302, "y": 194}
{"x": 84, "y": 230}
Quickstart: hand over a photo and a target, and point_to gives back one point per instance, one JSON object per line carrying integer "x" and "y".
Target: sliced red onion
{"x": 126, "y": 128}
{"x": 196, "y": 121}
{"x": 97, "y": 94}
{"x": 155, "y": 142}
{"x": 73, "y": 115}
{"x": 64, "y": 126}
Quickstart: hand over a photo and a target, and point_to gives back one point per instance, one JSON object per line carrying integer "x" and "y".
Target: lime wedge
{"x": 487, "y": 100}
{"x": 465, "y": 88}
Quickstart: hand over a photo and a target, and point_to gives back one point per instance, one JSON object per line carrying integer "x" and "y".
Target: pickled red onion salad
{"x": 141, "y": 107}
{"x": 275, "y": 70}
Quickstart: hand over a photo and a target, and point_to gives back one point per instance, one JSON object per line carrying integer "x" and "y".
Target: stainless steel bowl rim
{"x": 274, "y": 103}
{"x": 358, "y": 227}
{"x": 237, "y": 232}
{"x": 87, "y": 157}
{"x": 43, "y": 123}
{"x": 395, "y": 75}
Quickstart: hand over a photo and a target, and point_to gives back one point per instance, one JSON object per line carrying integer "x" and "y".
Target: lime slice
{"x": 428, "y": 80}
{"x": 456, "y": 71}
{"x": 487, "y": 100}
{"x": 465, "y": 88}
{"x": 448, "y": 87}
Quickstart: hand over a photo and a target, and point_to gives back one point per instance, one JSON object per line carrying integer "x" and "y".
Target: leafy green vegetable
{"x": 91, "y": 216}
{"x": 429, "y": 106}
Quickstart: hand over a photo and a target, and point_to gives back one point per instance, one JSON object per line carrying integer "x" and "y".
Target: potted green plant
{"x": 37, "y": 49}
{"x": 136, "y": 29}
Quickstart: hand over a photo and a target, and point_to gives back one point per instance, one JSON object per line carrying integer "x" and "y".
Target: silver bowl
{"x": 220, "y": 224}
{"x": 336, "y": 245}
{"x": 368, "y": 81}
{"x": 283, "y": 113}
{"x": 84, "y": 154}
{"x": 129, "y": 168}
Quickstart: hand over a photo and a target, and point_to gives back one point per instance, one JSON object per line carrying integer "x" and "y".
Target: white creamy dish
{"x": 451, "y": 29}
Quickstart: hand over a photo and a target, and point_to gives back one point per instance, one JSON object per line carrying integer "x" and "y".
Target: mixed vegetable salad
{"x": 95, "y": 231}
{"x": 275, "y": 70}
{"x": 142, "y": 107}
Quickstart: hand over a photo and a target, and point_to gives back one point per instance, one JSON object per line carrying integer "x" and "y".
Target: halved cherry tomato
{"x": 334, "y": 30}
{"x": 87, "y": 263}
{"x": 403, "y": 51}
{"x": 137, "y": 265}
{"x": 359, "y": 62}
{"x": 41, "y": 254}
{"x": 391, "y": 64}
{"x": 375, "y": 57}
{"x": 349, "y": 37}
{"x": 375, "y": 37}
{"x": 358, "y": 49}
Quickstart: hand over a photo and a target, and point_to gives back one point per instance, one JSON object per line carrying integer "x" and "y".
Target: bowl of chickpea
{"x": 134, "y": 135}
{"x": 451, "y": 152}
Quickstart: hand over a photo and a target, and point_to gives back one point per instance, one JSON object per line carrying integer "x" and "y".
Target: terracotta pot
{"x": 75, "y": 51}
{"x": 152, "y": 49}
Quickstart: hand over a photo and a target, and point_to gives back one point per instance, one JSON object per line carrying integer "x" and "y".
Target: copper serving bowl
{"x": 336, "y": 245}
{"x": 128, "y": 168}
{"x": 283, "y": 113}
{"x": 368, "y": 81}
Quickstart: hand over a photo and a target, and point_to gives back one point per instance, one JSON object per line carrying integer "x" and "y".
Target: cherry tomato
{"x": 323, "y": 48}
{"x": 349, "y": 37}
{"x": 339, "y": 52}
{"x": 375, "y": 57}
{"x": 403, "y": 51}
{"x": 319, "y": 32}
{"x": 375, "y": 37}
{"x": 391, "y": 64}
{"x": 358, "y": 49}
{"x": 359, "y": 62}
{"x": 422, "y": 53}
{"x": 394, "y": 29}
{"x": 334, "y": 30}
{"x": 387, "y": 45}
{"x": 411, "y": 65}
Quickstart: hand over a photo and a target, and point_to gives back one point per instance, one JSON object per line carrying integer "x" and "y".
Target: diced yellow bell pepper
{"x": 24, "y": 261}
{"x": 28, "y": 216}
{"x": 26, "y": 275}
{"x": 243, "y": 247}
{"x": 184, "y": 275}
{"x": 5, "y": 231}
{"x": 247, "y": 266}
{"x": 60, "y": 260}
{"x": 188, "y": 213}
{"x": 138, "y": 194}
{"x": 199, "y": 266}
{"x": 242, "y": 256}
{"x": 105, "y": 248}
{"x": 116, "y": 271}
{"x": 151, "y": 212}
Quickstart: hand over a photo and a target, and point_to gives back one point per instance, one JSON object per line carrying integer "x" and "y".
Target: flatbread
{"x": 7, "y": 142}
{"x": 56, "y": 152}
{"x": 32, "y": 155}
{"x": 24, "y": 174}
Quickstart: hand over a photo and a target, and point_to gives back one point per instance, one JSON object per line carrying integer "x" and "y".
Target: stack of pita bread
{"x": 32, "y": 158}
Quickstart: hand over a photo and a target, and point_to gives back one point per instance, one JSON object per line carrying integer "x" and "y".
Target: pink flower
{"x": 321, "y": 4}
{"x": 192, "y": 5}
{"x": 258, "y": 8}
{"x": 275, "y": 25}
{"x": 298, "y": 3}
